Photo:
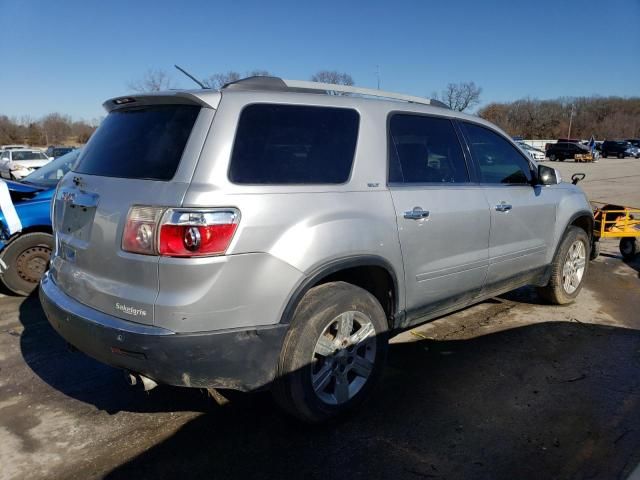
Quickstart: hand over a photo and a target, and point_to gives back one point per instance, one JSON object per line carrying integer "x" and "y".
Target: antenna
{"x": 191, "y": 77}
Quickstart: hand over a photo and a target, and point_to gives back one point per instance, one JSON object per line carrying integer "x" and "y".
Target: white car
{"x": 536, "y": 154}
{"x": 18, "y": 163}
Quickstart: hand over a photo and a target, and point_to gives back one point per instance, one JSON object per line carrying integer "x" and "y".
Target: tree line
{"x": 603, "y": 117}
{"x": 52, "y": 129}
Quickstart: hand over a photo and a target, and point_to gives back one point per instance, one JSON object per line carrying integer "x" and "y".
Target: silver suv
{"x": 275, "y": 233}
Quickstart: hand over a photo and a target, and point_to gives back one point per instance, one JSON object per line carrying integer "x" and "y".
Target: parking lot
{"x": 509, "y": 388}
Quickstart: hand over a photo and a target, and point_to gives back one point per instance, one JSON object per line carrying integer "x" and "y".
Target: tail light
{"x": 179, "y": 233}
{"x": 141, "y": 230}
{"x": 187, "y": 233}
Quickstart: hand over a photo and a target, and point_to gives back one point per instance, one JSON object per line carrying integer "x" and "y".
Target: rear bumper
{"x": 243, "y": 359}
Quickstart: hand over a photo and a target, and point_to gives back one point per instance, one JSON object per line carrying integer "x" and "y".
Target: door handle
{"x": 503, "y": 207}
{"x": 416, "y": 214}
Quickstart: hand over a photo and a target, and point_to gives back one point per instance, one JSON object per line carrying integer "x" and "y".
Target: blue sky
{"x": 69, "y": 56}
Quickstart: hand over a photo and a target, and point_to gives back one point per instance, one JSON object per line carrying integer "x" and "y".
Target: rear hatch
{"x": 144, "y": 153}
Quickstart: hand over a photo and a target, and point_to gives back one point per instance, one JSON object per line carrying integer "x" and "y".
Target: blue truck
{"x": 25, "y": 249}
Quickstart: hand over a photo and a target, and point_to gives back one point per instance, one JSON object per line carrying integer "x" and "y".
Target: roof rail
{"x": 302, "y": 86}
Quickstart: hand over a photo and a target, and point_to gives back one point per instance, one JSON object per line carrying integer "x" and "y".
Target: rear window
{"x": 140, "y": 143}
{"x": 290, "y": 144}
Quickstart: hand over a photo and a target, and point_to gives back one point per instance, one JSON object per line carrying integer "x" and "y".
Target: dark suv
{"x": 563, "y": 150}
{"x": 617, "y": 148}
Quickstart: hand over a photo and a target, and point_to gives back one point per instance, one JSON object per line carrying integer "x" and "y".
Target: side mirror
{"x": 548, "y": 175}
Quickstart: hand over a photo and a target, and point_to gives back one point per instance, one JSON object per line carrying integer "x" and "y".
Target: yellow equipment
{"x": 615, "y": 221}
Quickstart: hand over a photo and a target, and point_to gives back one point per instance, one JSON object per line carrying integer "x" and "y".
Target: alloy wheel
{"x": 343, "y": 358}
{"x": 574, "y": 267}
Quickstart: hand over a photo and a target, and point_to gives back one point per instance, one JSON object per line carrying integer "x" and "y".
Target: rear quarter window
{"x": 291, "y": 144}
{"x": 139, "y": 143}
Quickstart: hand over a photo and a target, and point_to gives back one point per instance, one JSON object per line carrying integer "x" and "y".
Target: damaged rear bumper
{"x": 243, "y": 359}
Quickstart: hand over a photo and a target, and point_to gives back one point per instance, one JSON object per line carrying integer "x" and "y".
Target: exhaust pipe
{"x": 134, "y": 379}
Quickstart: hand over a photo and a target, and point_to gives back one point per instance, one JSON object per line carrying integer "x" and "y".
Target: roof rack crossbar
{"x": 275, "y": 83}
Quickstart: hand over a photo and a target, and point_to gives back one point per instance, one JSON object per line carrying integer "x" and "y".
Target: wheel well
{"x": 374, "y": 279}
{"x": 31, "y": 229}
{"x": 38, "y": 228}
{"x": 584, "y": 222}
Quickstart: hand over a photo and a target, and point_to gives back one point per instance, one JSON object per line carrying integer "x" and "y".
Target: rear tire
{"x": 621, "y": 155}
{"x": 628, "y": 247}
{"x": 333, "y": 354}
{"x": 26, "y": 259}
{"x": 552, "y": 157}
{"x": 569, "y": 268}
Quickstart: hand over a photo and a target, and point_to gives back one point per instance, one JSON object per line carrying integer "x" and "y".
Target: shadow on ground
{"x": 553, "y": 400}
{"x": 87, "y": 380}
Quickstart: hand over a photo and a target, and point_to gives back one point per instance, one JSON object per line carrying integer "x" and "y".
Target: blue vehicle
{"x": 25, "y": 254}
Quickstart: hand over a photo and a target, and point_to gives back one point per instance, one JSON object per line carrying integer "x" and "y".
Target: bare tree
{"x": 219, "y": 80}
{"x": 9, "y": 131}
{"x": 332, "y": 76}
{"x": 460, "y": 96}
{"x": 56, "y": 128}
{"x": 82, "y": 131}
{"x": 34, "y": 134}
{"x": 152, "y": 81}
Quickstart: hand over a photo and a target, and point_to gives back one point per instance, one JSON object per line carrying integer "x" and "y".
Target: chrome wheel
{"x": 574, "y": 266}
{"x": 343, "y": 358}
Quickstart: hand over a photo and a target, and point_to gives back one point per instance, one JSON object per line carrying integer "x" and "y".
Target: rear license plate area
{"x": 75, "y": 213}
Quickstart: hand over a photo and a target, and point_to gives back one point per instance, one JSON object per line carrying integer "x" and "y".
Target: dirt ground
{"x": 506, "y": 389}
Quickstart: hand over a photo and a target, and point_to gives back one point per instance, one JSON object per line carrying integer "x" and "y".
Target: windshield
{"x": 52, "y": 172}
{"x": 26, "y": 155}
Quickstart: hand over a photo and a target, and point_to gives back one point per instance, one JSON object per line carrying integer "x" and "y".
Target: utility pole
{"x": 570, "y": 121}
{"x": 378, "y": 75}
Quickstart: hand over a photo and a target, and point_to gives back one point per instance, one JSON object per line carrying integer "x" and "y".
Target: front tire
{"x": 333, "y": 354}
{"x": 26, "y": 259}
{"x": 552, "y": 157}
{"x": 569, "y": 268}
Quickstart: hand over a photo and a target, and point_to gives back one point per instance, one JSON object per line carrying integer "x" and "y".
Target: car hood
{"x": 31, "y": 163}
{"x": 23, "y": 192}
{"x": 21, "y": 187}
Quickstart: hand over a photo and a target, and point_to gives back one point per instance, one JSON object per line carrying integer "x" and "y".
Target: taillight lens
{"x": 141, "y": 229}
{"x": 188, "y": 233}
{"x": 179, "y": 233}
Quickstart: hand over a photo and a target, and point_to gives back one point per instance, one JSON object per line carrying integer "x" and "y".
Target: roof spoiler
{"x": 165, "y": 97}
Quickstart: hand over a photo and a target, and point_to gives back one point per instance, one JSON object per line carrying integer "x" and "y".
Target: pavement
{"x": 609, "y": 180}
{"x": 509, "y": 388}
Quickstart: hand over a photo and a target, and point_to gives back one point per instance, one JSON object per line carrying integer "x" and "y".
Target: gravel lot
{"x": 505, "y": 389}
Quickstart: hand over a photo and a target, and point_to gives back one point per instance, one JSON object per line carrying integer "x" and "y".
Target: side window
{"x": 424, "y": 149}
{"x": 499, "y": 161}
{"x": 291, "y": 144}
